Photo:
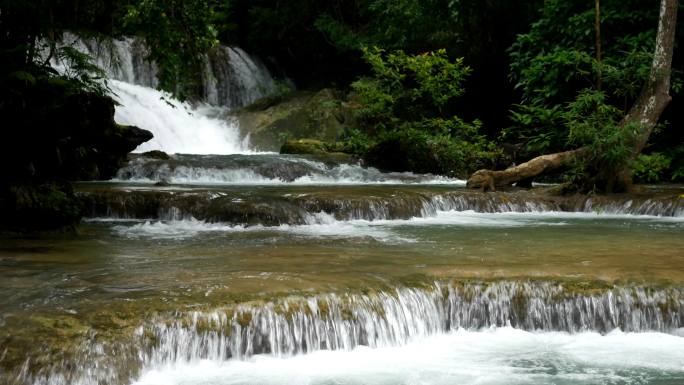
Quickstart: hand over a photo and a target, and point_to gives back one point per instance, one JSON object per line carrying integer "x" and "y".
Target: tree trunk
{"x": 643, "y": 115}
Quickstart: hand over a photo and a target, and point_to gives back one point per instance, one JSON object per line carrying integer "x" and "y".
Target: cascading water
{"x": 384, "y": 319}
{"x": 375, "y": 204}
{"x": 232, "y": 78}
{"x": 177, "y": 127}
{"x": 271, "y": 269}
{"x": 394, "y": 318}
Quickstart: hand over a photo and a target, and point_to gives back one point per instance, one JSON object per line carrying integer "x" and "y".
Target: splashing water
{"x": 231, "y": 79}
{"x": 177, "y": 127}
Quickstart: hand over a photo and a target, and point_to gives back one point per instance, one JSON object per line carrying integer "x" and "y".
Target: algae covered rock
{"x": 304, "y": 146}
{"x": 328, "y": 153}
{"x": 44, "y": 206}
{"x": 322, "y": 115}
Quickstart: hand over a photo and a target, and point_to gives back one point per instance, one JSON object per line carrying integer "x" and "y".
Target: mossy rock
{"x": 39, "y": 207}
{"x": 304, "y": 146}
{"x": 323, "y": 115}
{"x": 318, "y": 150}
{"x": 55, "y": 133}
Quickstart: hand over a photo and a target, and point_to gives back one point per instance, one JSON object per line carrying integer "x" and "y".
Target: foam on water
{"x": 326, "y": 225}
{"x": 177, "y": 127}
{"x": 318, "y": 225}
{"x": 491, "y": 356}
{"x": 266, "y": 169}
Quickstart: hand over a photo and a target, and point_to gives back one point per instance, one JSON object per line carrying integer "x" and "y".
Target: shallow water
{"x": 131, "y": 258}
{"x": 130, "y": 295}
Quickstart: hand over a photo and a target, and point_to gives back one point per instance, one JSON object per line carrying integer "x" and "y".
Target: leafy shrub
{"x": 650, "y": 168}
{"x": 405, "y": 119}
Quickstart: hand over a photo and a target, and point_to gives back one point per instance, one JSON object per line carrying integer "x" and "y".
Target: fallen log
{"x": 489, "y": 180}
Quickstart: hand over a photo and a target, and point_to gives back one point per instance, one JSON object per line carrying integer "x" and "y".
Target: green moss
{"x": 244, "y": 318}
{"x": 304, "y": 146}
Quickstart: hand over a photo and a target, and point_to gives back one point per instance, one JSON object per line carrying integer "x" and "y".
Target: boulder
{"x": 155, "y": 154}
{"x": 303, "y": 146}
{"x": 322, "y": 115}
{"x": 55, "y": 133}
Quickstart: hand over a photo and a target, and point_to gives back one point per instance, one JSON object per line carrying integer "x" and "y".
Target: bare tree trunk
{"x": 643, "y": 116}
{"x": 655, "y": 95}
{"x": 490, "y": 180}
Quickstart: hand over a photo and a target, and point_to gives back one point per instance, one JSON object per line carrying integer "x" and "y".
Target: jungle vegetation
{"x": 443, "y": 86}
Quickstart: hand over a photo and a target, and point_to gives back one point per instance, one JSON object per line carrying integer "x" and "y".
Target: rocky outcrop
{"x": 322, "y": 115}
{"x": 54, "y": 133}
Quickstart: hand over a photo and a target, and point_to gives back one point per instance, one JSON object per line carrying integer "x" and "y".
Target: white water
{"x": 490, "y": 356}
{"x": 323, "y": 225}
{"x": 177, "y": 127}
{"x": 146, "y": 171}
{"x": 232, "y": 78}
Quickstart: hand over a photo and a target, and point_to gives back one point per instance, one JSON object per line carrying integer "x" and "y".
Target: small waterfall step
{"x": 278, "y": 205}
{"x": 264, "y": 168}
{"x": 383, "y": 318}
{"x": 297, "y": 325}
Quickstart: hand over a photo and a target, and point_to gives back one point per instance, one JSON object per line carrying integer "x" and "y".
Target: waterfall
{"x": 386, "y": 318}
{"x": 410, "y": 204}
{"x": 231, "y": 79}
{"x": 395, "y": 317}
{"x": 177, "y": 127}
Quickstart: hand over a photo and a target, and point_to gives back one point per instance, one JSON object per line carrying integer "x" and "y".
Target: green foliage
{"x": 408, "y": 86}
{"x": 179, "y": 33}
{"x": 555, "y": 69}
{"x": 555, "y": 61}
{"x": 537, "y": 125}
{"x": 595, "y": 125}
{"x": 80, "y": 72}
{"x": 650, "y": 168}
{"x": 676, "y": 155}
{"x": 405, "y": 119}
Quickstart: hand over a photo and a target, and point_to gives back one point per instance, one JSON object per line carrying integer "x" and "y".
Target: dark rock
{"x": 155, "y": 154}
{"x": 319, "y": 150}
{"x": 54, "y": 133}
{"x": 39, "y": 207}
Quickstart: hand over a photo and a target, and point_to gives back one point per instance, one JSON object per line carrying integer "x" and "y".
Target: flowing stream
{"x": 222, "y": 266}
